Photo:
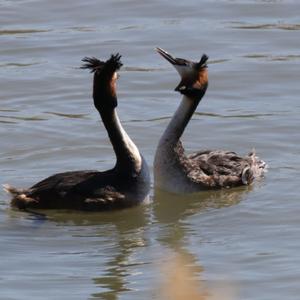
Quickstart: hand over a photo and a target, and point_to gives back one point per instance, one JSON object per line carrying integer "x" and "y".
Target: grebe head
{"x": 194, "y": 75}
{"x": 105, "y": 78}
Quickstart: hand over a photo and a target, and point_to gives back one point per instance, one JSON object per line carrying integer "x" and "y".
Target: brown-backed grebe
{"x": 176, "y": 172}
{"x": 127, "y": 184}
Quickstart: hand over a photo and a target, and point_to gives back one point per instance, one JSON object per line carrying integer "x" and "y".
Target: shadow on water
{"x": 125, "y": 231}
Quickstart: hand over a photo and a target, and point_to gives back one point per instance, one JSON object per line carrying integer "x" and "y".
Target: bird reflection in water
{"x": 172, "y": 208}
{"x": 182, "y": 271}
{"x": 113, "y": 239}
{"x": 180, "y": 283}
{"x": 125, "y": 236}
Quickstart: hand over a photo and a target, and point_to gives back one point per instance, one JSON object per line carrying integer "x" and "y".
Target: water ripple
{"x": 141, "y": 69}
{"x": 21, "y": 31}
{"x": 7, "y": 122}
{"x": 131, "y": 27}
{"x": 82, "y": 29}
{"x": 280, "y": 26}
{"x": 71, "y": 116}
{"x": 150, "y": 120}
{"x": 207, "y": 114}
{"x": 19, "y": 64}
{"x": 8, "y": 110}
{"x": 32, "y": 118}
{"x": 218, "y": 61}
{"x": 289, "y": 57}
{"x": 251, "y": 116}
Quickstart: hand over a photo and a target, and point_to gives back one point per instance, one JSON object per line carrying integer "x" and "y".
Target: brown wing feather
{"x": 218, "y": 162}
{"x": 217, "y": 168}
{"x": 107, "y": 197}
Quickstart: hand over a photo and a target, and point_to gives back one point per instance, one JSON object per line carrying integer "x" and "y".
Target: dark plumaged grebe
{"x": 127, "y": 184}
{"x": 176, "y": 172}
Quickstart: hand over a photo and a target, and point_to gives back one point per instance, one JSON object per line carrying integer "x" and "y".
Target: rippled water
{"x": 247, "y": 238}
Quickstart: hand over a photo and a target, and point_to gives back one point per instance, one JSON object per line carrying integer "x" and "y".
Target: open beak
{"x": 191, "y": 73}
{"x": 167, "y": 56}
{"x": 182, "y": 66}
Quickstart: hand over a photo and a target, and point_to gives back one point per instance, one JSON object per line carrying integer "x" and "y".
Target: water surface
{"x": 248, "y": 237}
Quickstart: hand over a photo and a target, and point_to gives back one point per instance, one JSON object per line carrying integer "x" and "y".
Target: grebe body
{"x": 127, "y": 184}
{"x": 174, "y": 171}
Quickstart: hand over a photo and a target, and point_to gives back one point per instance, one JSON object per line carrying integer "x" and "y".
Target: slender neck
{"x": 129, "y": 160}
{"x": 127, "y": 154}
{"x": 179, "y": 121}
{"x": 182, "y": 116}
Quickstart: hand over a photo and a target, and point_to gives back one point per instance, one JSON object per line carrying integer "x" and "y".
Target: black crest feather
{"x": 95, "y": 65}
{"x": 92, "y": 63}
{"x": 202, "y": 62}
{"x": 114, "y": 62}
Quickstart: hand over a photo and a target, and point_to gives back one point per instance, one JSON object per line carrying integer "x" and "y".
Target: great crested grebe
{"x": 176, "y": 172}
{"x": 127, "y": 184}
